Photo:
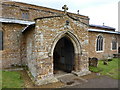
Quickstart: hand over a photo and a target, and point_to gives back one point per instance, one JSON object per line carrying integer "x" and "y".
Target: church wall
{"x": 106, "y": 47}
{"x": 33, "y": 11}
{"x": 11, "y": 53}
{"x": 18, "y": 10}
{"x": 1, "y": 45}
{"x": 29, "y": 55}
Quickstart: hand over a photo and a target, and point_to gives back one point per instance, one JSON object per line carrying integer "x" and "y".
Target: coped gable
{"x": 61, "y": 19}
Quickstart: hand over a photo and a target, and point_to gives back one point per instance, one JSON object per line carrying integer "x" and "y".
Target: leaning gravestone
{"x": 93, "y": 62}
{"x": 110, "y": 58}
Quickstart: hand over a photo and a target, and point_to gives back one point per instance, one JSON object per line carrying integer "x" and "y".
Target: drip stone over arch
{"x": 72, "y": 37}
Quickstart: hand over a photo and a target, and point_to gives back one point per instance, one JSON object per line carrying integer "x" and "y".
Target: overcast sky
{"x": 99, "y": 11}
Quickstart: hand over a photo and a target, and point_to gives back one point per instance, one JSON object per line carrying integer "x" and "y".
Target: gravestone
{"x": 110, "y": 58}
{"x": 93, "y": 62}
{"x": 116, "y": 55}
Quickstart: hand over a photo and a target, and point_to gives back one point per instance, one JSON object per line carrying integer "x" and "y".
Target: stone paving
{"x": 101, "y": 82}
{"x": 70, "y": 79}
{"x": 94, "y": 80}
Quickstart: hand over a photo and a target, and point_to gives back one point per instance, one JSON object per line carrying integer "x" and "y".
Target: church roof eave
{"x": 100, "y": 26}
{"x": 10, "y": 20}
{"x": 27, "y": 27}
{"x": 76, "y": 19}
{"x": 48, "y": 17}
{"x": 103, "y": 31}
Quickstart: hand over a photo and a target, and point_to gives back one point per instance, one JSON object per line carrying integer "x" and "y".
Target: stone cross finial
{"x": 103, "y": 24}
{"x": 65, "y": 8}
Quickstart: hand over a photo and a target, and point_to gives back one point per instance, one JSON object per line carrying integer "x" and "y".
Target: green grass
{"x": 112, "y": 69}
{"x": 0, "y": 80}
{"x": 11, "y": 79}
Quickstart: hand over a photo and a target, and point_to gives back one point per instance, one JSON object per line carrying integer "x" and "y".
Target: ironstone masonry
{"x": 36, "y": 36}
{"x": 43, "y": 38}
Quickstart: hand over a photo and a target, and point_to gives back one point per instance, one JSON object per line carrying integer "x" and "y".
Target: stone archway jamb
{"x": 72, "y": 37}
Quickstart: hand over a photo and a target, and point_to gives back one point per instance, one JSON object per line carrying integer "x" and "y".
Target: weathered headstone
{"x": 109, "y": 58}
{"x": 93, "y": 61}
{"x": 116, "y": 55}
{"x": 105, "y": 62}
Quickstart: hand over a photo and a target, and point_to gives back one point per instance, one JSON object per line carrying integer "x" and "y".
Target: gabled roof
{"x": 100, "y": 26}
{"x": 43, "y": 8}
{"x": 47, "y": 17}
{"x": 76, "y": 19}
{"x": 9, "y": 20}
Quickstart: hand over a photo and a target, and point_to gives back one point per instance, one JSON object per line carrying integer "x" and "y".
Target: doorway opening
{"x": 63, "y": 56}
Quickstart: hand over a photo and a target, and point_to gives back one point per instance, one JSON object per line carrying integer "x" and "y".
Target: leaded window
{"x": 114, "y": 44}
{"x": 99, "y": 43}
{"x": 1, "y": 40}
{"x": 25, "y": 14}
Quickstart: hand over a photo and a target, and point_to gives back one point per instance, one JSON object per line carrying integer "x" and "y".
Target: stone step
{"x": 70, "y": 79}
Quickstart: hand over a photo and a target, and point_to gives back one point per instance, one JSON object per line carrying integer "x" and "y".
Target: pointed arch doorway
{"x": 63, "y": 55}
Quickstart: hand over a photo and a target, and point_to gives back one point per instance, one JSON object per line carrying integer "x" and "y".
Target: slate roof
{"x": 9, "y": 20}
{"x": 100, "y": 26}
{"x": 119, "y": 32}
{"x": 103, "y": 31}
{"x": 28, "y": 27}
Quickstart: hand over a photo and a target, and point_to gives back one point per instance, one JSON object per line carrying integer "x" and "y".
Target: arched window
{"x": 114, "y": 44}
{"x": 99, "y": 43}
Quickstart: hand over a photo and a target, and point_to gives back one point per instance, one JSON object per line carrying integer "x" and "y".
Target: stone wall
{"x": 107, "y": 47}
{"x": 11, "y": 53}
{"x": 33, "y": 11}
{"x": 14, "y": 41}
{"x": 28, "y": 50}
{"x": 47, "y": 32}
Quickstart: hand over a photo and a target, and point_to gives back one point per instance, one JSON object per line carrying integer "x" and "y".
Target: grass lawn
{"x": 11, "y": 79}
{"x": 112, "y": 69}
{"x": 0, "y": 80}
